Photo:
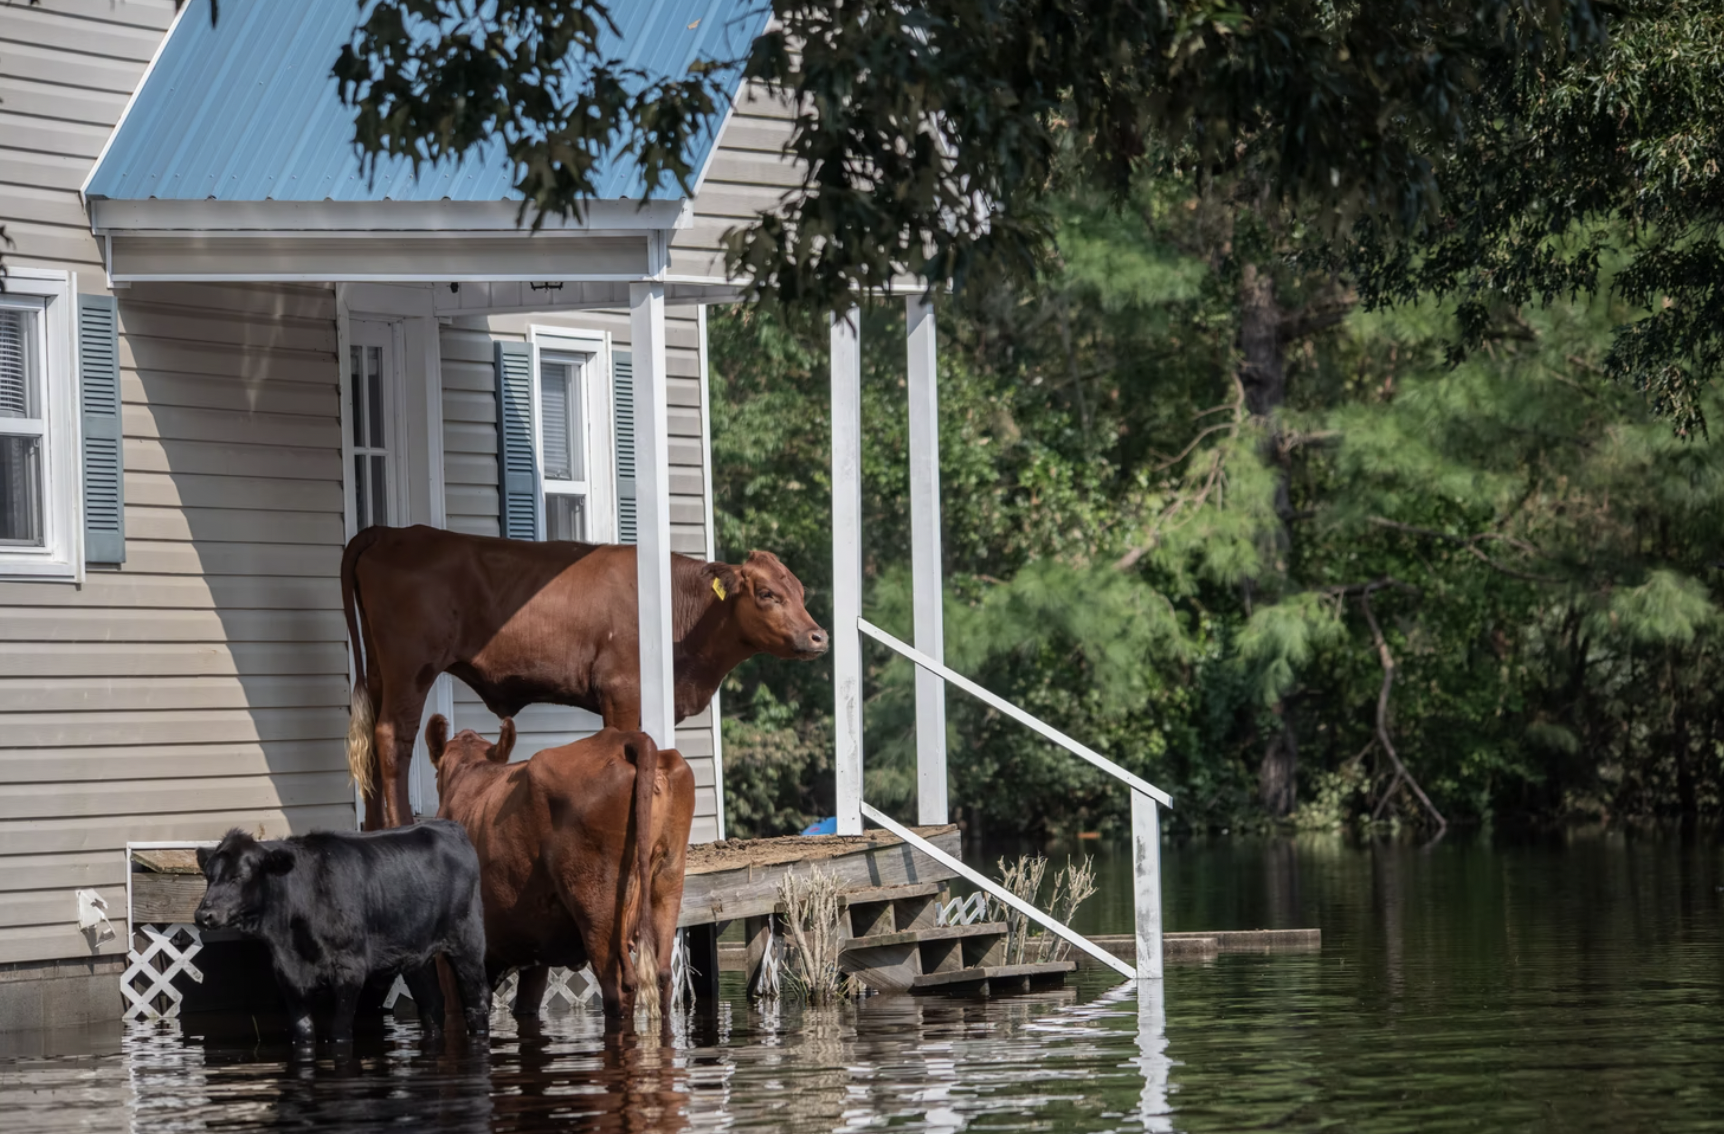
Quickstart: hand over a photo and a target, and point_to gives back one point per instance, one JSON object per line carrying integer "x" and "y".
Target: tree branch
{"x": 1470, "y": 545}
{"x": 1387, "y": 660}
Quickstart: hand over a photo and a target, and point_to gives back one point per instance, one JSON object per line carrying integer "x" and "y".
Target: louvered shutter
{"x": 623, "y": 398}
{"x": 104, "y": 475}
{"x": 517, "y": 472}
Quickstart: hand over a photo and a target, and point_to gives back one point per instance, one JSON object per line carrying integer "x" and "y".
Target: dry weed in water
{"x": 811, "y": 920}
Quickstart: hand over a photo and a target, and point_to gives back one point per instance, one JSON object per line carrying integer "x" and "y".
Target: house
{"x": 224, "y": 350}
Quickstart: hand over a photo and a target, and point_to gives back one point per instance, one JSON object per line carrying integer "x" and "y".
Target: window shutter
{"x": 623, "y": 399}
{"x": 517, "y": 470}
{"x": 104, "y": 474}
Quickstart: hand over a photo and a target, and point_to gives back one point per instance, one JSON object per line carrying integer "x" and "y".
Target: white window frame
{"x": 61, "y": 556}
{"x": 387, "y": 334}
{"x": 592, "y": 350}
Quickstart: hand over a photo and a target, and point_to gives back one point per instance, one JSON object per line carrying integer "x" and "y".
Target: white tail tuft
{"x": 361, "y": 728}
{"x": 646, "y": 978}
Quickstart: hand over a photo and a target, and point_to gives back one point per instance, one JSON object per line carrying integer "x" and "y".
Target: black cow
{"x": 337, "y": 907}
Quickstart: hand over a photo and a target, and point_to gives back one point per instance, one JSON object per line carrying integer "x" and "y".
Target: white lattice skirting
{"x": 162, "y": 953}
{"x": 159, "y": 954}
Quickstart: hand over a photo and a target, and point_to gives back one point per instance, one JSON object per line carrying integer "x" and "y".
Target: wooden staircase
{"x": 892, "y": 942}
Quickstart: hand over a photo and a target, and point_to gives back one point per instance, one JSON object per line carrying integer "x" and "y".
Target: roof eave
{"x": 212, "y": 218}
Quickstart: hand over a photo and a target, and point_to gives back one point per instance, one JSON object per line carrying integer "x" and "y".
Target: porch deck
{"x": 725, "y": 880}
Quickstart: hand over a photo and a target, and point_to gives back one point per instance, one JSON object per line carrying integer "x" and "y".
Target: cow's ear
{"x": 204, "y": 858}
{"x": 437, "y": 737}
{"x": 724, "y": 579}
{"x": 276, "y": 861}
{"x": 499, "y": 752}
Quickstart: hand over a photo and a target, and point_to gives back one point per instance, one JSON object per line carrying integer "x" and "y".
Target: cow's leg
{"x": 467, "y": 959}
{"x": 346, "y": 998}
{"x": 427, "y": 993}
{"x": 475, "y": 993}
{"x": 608, "y": 953}
{"x": 397, "y": 723}
{"x": 620, "y": 707}
{"x": 666, "y": 907}
{"x": 299, "y": 1025}
{"x": 530, "y": 988}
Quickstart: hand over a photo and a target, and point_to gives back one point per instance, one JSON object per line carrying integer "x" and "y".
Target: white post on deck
{"x": 925, "y": 562}
{"x": 847, "y": 566}
{"x": 1146, "y": 878}
{"x": 652, "y": 501}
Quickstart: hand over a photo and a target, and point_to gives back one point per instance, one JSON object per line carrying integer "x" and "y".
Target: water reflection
{"x": 1569, "y": 985}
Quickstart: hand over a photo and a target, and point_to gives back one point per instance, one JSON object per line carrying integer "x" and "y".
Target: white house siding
{"x": 748, "y": 175}
{"x": 470, "y": 470}
{"x": 201, "y": 686}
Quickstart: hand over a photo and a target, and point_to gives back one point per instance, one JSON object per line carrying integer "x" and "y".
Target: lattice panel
{"x": 962, "y": 911}
{"x": 158, "y": 956}
{"x": 574, "y": 988}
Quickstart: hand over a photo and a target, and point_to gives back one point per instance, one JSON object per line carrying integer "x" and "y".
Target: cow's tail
{"x": 645, "y": 754}
{"x": 362, "y": 718}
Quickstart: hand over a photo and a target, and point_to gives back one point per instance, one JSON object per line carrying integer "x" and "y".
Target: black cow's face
{"x": 770, "y": 610}
{"x": 237, "y": 874}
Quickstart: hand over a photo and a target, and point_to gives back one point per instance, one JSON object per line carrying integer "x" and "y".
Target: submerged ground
{"x": 1571, "y": 984}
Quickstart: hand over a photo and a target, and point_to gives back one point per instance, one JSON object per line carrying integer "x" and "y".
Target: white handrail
{"x": 1001, "y": 893}
{"x": 1001, "y": 705}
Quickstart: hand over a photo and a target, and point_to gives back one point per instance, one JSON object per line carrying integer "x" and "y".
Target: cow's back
{"x": 380, "y": 892}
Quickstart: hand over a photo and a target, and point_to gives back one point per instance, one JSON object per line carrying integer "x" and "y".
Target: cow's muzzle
{"x": 813, "y": 643}
{"x": 206, "y": 918}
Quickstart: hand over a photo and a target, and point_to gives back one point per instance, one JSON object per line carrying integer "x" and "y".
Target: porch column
{"x": 652, "y": 503}
{"x": 925, "y": 563}
{"x": 847, "y": 567}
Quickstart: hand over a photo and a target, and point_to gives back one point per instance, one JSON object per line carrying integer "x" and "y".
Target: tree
{"x": 930, "y": 135}
{"x": 1615, "y": 149}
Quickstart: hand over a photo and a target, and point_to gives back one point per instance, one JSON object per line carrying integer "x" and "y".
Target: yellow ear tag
{"x": 718, "y": 589}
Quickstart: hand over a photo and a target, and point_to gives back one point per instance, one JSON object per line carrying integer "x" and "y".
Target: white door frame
{"x": 404, "y": 318}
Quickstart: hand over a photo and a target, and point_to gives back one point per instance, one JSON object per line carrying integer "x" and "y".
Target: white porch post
{"x": 652, "y": 501}
{"x": 925, "y": 561}
{"x": 847, "y": 566}
{"x": 1146, "y": 883}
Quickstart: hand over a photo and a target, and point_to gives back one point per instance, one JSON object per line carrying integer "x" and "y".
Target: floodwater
{"x": 1574, "y": 984}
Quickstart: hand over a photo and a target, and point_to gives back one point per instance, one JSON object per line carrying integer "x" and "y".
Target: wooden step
{"x": 995, "y": 980}
{"x": 891, "y": 893}
{"x": 928, "y": 933}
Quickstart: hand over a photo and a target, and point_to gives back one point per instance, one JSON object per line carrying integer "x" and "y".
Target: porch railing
{"x": 1145, "y": 825}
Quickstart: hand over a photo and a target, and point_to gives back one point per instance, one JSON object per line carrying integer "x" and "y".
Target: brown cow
{"x": 555, "y": 836}
{"x": 523, "y": 623}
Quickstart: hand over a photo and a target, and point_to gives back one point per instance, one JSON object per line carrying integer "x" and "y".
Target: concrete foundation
{"x": 60, "y": 995}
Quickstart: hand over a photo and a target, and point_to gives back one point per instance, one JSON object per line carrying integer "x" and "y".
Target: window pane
{"x": 565, "y": 517}
{"x": 555, "y": 400}
{"x": 374, "y": 392}
{"x": 17, "y": 367}
{"x": 21, "y": 491}
{"x": 356, "y": 388}
{"x": 361, "y": 495}
{"x": 379, "y": 485}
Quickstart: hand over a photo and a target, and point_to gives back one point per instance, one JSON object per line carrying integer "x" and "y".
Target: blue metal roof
{"x": 248, "y": 110}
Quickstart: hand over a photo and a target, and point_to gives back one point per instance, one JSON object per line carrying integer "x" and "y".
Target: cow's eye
{"x": 763, "y": 594}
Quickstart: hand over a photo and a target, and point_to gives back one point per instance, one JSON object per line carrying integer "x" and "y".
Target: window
{"x": 39, "y": 475}
{"x": 562, "y": 446}
{"x": 371, "y": 392}
{"x": 573, "y": 436}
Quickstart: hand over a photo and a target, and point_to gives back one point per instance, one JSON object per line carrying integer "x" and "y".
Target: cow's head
{"x": 237, "y": 873}
{"x": 767, "y": 601}
{"x": 450, "y": 753}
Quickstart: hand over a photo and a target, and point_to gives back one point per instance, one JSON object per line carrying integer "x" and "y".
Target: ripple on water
{"x": 1479, "y": 986}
